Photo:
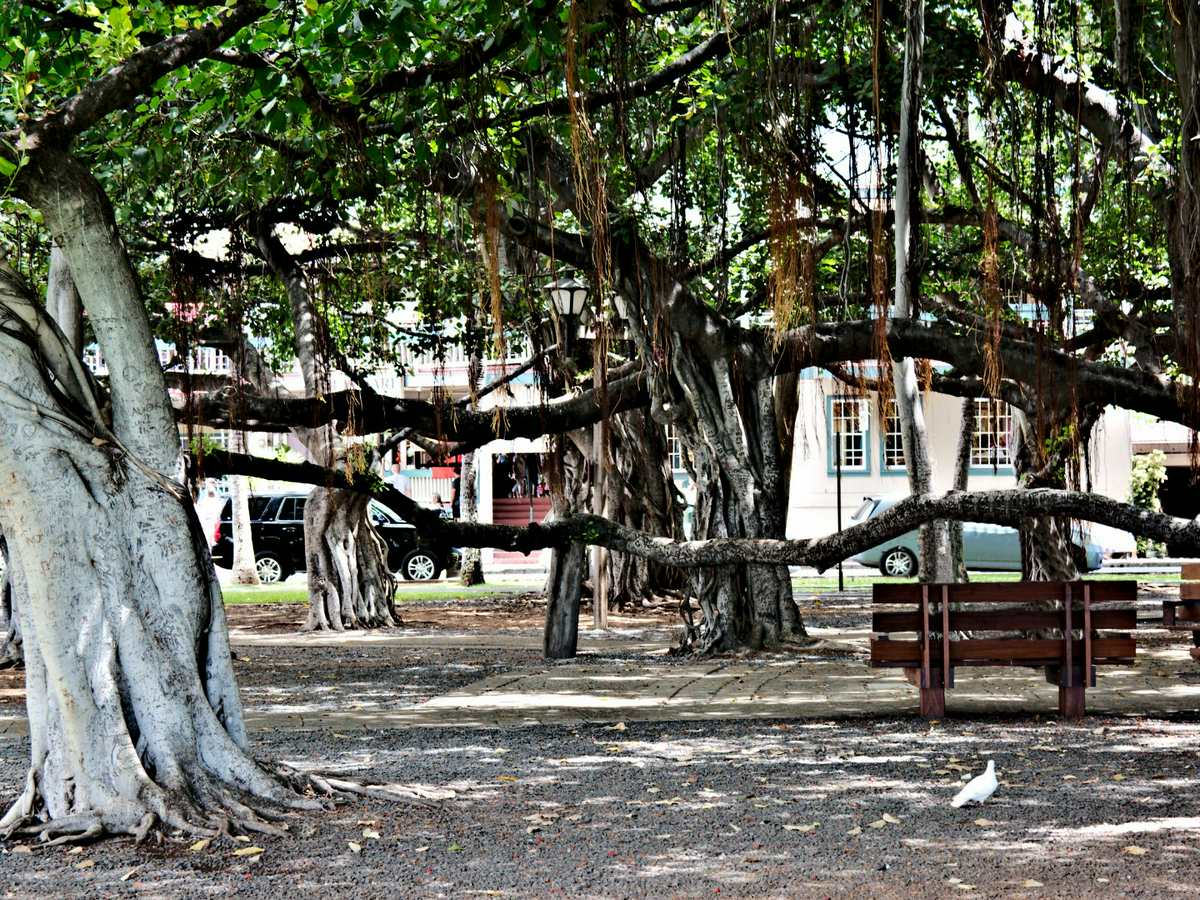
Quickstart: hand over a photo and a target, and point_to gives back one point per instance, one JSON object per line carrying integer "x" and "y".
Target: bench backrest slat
{"x": 1007, "y": 592}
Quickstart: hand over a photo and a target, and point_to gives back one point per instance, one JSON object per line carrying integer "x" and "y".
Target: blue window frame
{"x": 891, "y": 442}
{"x": 847, "y": 426}
{"x": 991, "y": 445}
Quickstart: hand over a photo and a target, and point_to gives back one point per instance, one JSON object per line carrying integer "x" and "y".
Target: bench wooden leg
{"x": 933, "y": 702}
{"x": 933, "y": 698}
{"x": 1071, "y": 702}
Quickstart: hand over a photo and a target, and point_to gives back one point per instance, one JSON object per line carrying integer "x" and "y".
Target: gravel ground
{"x": 856, "y": 808}
{"x": 691, "y": 809}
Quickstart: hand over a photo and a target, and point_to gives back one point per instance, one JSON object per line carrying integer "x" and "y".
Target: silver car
{"x": 990, "y": 547}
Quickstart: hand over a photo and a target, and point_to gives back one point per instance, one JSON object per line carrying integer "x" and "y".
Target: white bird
{"x": 978, "y": 788}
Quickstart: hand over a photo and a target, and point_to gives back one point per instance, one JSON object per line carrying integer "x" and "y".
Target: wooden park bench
{"x": 938, "y": 614}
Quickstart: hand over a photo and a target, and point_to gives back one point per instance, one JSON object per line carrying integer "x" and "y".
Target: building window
{"x": 848, "y": 431}
{"x": 674, "y": 449}
{"x": 893, "y": 441}
{"x": 993, "y": 430}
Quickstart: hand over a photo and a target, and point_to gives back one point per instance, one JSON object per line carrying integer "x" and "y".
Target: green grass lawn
{"x": 298, "y": 593}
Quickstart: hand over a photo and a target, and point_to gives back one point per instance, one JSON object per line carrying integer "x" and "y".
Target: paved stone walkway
{"x": 642, "y": 684}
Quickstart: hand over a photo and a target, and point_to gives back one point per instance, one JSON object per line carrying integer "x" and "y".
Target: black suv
{"x": 277, "y": 524}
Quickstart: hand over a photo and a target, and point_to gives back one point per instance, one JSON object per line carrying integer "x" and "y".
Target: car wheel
{"x": 419, "y": 565}
{"x": 898, "y": 563}
{"x": 270, "y": 569}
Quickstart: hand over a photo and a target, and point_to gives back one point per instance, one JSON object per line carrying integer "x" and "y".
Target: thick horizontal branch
{"x": 359, "y": 414}
{"x": 1096, "y": 109}
{"x": 1008, "y": 507}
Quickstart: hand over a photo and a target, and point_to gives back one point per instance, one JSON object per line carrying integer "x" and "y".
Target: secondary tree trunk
{"x": 641, "y": 494}
{"x": 935, "y": 537}
{"x": 10, "y": 626}
{"x": 567, "y": 466}
{"x": 349, "y": 582}
{"x": 245, "y": 570}
{"x": 962, "y": 473}
{"x": 134, "y": 716}
{"x": 1047, "y": 548}
{"x": 472, "y": 561}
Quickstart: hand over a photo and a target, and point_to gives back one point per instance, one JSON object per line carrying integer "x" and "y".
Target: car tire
{"x": 420, "y": 565}
{"x": 270, "y": 568}
{"x": 898, "y": 562}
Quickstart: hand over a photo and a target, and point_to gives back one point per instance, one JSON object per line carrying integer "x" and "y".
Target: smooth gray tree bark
{"x": 134, "y": 716}
{"x": 245, "y": 570}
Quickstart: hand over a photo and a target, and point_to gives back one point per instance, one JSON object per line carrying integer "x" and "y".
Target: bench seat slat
{"x": 1008, "y": 592}
{"x": 1005, "y": 651}
{"x": 1004, "y": 620}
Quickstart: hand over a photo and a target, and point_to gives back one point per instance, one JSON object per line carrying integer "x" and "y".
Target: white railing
{"x": 423, "y": 489}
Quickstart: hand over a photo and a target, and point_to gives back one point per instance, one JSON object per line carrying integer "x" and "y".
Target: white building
{"x": 872, "y": 463}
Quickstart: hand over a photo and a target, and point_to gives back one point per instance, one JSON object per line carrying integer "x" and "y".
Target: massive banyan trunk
{"x": 741, "y": 476}
{"x": 134, "y": 716}
{"x": 640, "y": 493}
{"x": 349, "y": 582}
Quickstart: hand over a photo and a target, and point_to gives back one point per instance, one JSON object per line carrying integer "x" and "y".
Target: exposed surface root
{"x": 214, "y": 810}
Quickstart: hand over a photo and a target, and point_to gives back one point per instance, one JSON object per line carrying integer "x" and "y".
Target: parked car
{"x": 277, "y": 525}
{"x": 989, "y": 547}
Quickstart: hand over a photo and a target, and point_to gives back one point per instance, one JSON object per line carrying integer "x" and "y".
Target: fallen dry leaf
{"x": 507, "y": 779}
{"x": 878, "y": 823}
{"x": 856, "y": 830}
{"x": 985, "y": 823}
{"x": 85, "y": 864}
{"x": 248, "y": 851}
{"x": 890, "y": 819}
{"x": 354, "y": 846}
{"x": 620, "y": 726}
{"x": 1029, "y": 882}
{"x": 804, "y": 829}
{"x": 200, "y": 845}
{"x": 130, "y": 873}
{"x": 1134, "y": 850}
{"x": 371, "y": 834}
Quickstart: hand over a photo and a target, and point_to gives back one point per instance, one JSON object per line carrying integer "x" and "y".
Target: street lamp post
{"x": 569, "y": 296}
